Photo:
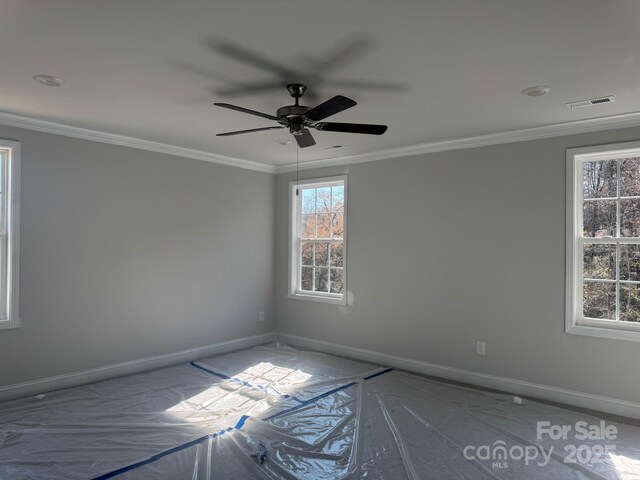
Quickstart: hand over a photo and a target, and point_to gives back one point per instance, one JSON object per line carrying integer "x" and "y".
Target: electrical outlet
{"x": 480, "y": 347}
{"x": 261, "y": 317}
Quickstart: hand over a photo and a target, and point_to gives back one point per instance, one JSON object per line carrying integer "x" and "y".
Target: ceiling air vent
{"x": 591, "y": 102}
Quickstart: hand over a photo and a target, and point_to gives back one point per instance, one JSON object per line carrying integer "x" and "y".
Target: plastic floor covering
{"x": 274, "y": 412}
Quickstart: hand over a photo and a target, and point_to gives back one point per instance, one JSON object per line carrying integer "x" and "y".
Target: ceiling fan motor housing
{"x": 292, "y": 112}
{"x": 292, "y": 115}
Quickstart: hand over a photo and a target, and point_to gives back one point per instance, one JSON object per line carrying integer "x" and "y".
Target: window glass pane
{"x": 600, "y": 261}
{"x": 338, "y": 225}
{"x": 319, "y": 229}
{"x": 323, "y": 201}
{"x": 630, "y": 262}
{"x": 308, "y": 200}
{"x": 599, "y": 300}
{"x": 322, "y": 280}
{"x": 337, "y": 197}
{"x": 336, "y": 280}
{"x": 337, "y": 254}
{"x": 322, "y": 254}
{"x": 630, "y": 218}
{"x": 306, "y": 252}
{"x": 630, "y": 303}
{"x": 630, "y": 177}
{"x": 308, "y": 226}
{"x": 599, "y": 218}
{"x": 306, "y": 279}
{"x": 599, "y": 179}
{"x": 324, "y": 225}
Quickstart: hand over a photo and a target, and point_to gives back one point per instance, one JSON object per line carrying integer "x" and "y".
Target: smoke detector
{"x": 591, "y": 102}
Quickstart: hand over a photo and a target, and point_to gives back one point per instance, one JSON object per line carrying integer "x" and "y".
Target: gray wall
{"x": 453, "y": 247}
{"x": 127, "y": 253}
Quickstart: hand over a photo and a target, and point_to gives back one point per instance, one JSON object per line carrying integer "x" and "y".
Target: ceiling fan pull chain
{"x": 297, "y": 171}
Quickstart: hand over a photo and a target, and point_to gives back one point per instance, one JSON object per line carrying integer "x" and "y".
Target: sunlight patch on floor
{"x": 266, "y": 373}
{"x": 227, "y": 400}
{"x": 626, "y": 467}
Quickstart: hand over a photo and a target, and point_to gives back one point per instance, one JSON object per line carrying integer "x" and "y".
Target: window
{"x": 318, "y": 240}
{"x": 603, "y": 241}
{"x": 9, "y": 239}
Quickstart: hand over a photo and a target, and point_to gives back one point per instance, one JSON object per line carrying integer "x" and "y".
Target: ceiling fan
{"x": 299, "y": 119}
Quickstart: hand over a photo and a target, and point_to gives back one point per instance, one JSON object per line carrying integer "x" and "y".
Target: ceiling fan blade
{"x": 368, "y": 85}
{"x": 241, "y": 54}
{"x": 238, "y": 132}
{"x": 365, "y": 128}
{"x": 246, "y": 110}
{"x": 348, "y": 52}
{"x": 328, "y": 108}
{"x": 306, "y": 139}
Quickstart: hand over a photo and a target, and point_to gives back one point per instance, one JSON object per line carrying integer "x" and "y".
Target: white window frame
{"x": 575, "y": 322}
{"x": 294, "y": 242}
{"x": 9, "y": 233}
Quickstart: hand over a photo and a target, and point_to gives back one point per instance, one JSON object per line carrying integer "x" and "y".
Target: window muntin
{"x": 318, "y": 239}
{"x": 603, "y": 255}
{"x": 9, "y": 238}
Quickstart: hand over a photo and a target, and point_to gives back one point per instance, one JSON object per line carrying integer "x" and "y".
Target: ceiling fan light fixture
{"x": 296, "y": 128}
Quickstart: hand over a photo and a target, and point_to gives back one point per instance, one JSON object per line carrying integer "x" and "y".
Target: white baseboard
{"x": 73, "y": 379}
{"x": 517, "y": 387}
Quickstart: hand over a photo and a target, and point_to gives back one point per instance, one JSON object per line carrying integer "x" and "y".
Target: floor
{"x": 274, "y": 412}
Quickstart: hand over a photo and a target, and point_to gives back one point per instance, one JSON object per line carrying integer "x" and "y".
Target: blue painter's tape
{"x": 153, "y": 458}
{"x": 221, "y": 375}
{"x": 179, "y": 448}
{"x": 241, "y": 422}
{"x": 377, "y": 374}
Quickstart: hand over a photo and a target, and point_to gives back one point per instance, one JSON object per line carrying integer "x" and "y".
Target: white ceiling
{"x": 443, "y": 69}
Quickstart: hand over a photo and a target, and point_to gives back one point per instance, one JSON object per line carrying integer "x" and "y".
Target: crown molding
{"x": 46, "y": 126}
{"x": 535, "y": 133}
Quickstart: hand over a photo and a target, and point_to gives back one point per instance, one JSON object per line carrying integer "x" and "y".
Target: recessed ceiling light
{"x": 48, "y": 80}
{"x": 536, "y": 91}
{"x": 283, "y": 141}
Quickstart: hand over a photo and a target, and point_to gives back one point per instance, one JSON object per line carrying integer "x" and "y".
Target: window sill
{"x": 604, "y": 332}
{"x": 319, "y": 298}
{"x": 9, "y": 324}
